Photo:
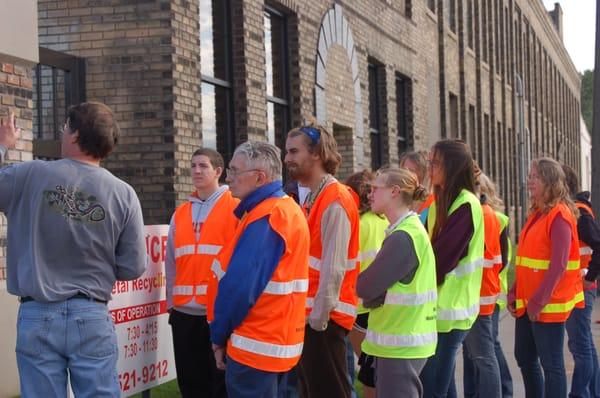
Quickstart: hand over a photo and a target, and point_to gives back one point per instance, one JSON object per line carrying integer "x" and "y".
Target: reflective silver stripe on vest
{"x": 368, "y": 255}
{"x": 466, "y": 269}
{"x": 410, "y": 299}
{"x": 585, "y": 250}
{"x": 183, "y": 290}
{"x": 457, "y": 315}
{"x": 502, "y": 297}
{"x": 391, "y": 340}
{"x": 266, "y": 349}
{"x": 216, "y": 268}
{"x": 341, "y": 307}
{"x": 315, "y": 264}
{"x": 487, "y": 300}
{"x": 184, "y": 250}
{"x": 201, "y": 289}
{"x": 295, "y": 286}
{"x": 209, "y": 249}
{"x": 490, "y": 262}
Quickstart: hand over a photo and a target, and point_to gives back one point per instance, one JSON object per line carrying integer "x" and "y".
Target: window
{"x": 431, "y": 4}
{"x": 453, "y": 100}
{"x": 452, "y": 15}
{"x": 471, "y": 139}
{"x": 408, "y": 9}
{"x": 276, "y": 70}
{"x": 470, "y": 30}
{"x": 484, "y": 30}
{"x": 375, "y": 105}
{"x": 404, "y": 113}
{"x": 215, "y": 71}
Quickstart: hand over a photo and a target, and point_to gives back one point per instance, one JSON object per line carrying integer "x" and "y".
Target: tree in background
{"x": 587, "y": 97}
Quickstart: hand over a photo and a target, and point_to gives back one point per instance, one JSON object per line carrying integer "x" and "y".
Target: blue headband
{"x": 312, "y": 133}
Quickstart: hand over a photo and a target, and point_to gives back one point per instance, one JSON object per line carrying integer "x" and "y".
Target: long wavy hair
{"x": 487, "y": 187}
{"x": 325, "y": 147}
{"x": 458, "y": 171}
{"x": 359, "y": 182}
{"x": 556, "y": 190}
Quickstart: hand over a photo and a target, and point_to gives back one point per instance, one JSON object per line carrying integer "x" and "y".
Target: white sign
{"x": 139, "y": 311}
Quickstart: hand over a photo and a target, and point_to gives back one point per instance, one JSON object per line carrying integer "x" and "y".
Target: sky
{"x": 579, "y": 25}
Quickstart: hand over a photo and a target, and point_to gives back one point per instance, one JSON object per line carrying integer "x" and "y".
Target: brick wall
{"x": 15, "y": 96}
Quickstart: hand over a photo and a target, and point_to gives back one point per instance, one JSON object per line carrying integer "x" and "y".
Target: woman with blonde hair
{"x": 400, "y": 289}
{"x": 547, "y": 283}
{"x": 371, "y": 235}
{"x": 417, "y": 162}
{"x": 482, "y": 371}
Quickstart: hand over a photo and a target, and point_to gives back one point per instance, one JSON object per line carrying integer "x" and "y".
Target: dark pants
{"x": 197, "y": 374}
{"x": 505, "y": 377}
{"x": 247, "y": 382}
{"x": 481, "y": 371}
{"x": 438, "y": 374}
{"x": 581, "y": 345}
{"x": 535, "y": 343}
{"x": 323, "y": 369}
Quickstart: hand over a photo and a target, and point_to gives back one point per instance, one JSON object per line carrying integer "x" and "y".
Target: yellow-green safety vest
{"x": 458, "y": 295}
{"x": 405, "y": 325}
{"x": 372, "y": 233}
{"x": 503, "y": 219}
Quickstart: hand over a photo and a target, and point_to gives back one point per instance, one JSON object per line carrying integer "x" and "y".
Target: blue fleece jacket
{"x": 254, "y": 259}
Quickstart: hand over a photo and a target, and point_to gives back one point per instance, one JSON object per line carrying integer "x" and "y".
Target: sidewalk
{"x": 507, "y": 330}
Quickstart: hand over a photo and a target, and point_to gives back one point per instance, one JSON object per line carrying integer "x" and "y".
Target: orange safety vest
{"x": 193, "y": 258}
{"x": 584, "y": 250}
{"x": 492, "y": 262}
{"x": 344, "y": 312}
{"x": 271, "y": 336}
{"x": 533, "y": 259}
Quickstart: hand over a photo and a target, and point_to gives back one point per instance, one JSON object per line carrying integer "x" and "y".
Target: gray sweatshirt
{"x": 72, "y": 228}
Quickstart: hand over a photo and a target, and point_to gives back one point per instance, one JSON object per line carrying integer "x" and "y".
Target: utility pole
{"x": 523, "y": 149}
{"x": 596, "y": 120}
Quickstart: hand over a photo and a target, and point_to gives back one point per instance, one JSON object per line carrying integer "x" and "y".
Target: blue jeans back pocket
{"x": 97, "y": 337}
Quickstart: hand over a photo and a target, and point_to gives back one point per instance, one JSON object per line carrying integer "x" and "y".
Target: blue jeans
{"x": 245, "y": 382}
{"x": 505, "y": 377}
{"x": 350, "y": 359}
{"x": 535, "y": 343}
{"x": 581, "y": 346}
{"x": 439, "y": 369}
{"x": 75, "y": 336}
{"x": 481, "y": 370}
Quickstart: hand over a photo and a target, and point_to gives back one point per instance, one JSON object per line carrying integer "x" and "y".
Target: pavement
{"x": 506, "y": 333}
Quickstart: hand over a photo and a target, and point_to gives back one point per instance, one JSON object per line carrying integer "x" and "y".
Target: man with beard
{"x": 312, "y": 159}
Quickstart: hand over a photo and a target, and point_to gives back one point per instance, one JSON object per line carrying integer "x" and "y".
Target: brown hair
{"x": 459, "y": 173}
{"x": 571, "y": 179}
{"x": 97, "y": 127}
{"x": 556, "y": 191}
{"x": 419, "y": 158}
{"x": 359, "y": 182}
{"x": 406, "y": 180}
{"x": 216, "y": 160}
{"x": 325, "y": 147}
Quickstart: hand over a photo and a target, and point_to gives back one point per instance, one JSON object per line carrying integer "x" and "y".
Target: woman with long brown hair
{"x": 455, "y": 226}
{"x": 547, "y": 283}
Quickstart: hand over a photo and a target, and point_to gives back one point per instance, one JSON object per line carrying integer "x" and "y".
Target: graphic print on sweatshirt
{"x": 74, "y": 203}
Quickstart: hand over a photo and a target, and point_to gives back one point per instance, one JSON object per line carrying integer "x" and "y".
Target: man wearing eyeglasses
{"x": 312, "y": 159}
{"x": 198, "y": 231}
{"x": 73, "y": 230}
{"x": 259, "y": 316}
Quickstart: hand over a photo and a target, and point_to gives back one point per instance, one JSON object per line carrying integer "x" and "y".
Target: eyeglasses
{"x": 232, "y": 173}
{"x": 312, "y": 133}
